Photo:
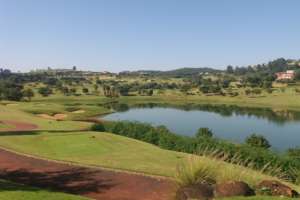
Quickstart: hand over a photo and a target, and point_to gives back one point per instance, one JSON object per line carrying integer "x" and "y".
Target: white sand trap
{"x": 12, "y": 104}
{"x": 60, "y": 116}
{"x": 54, "y": 117}
{"x": 78, "y": 111}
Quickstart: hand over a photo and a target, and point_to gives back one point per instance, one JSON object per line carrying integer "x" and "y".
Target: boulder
{"x": 233, "y": 188}
{"x": 196, "y": 191}
{"x": 275, "y": 188}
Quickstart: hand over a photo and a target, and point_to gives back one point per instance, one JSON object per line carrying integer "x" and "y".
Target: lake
{"x": 280, "y": 127}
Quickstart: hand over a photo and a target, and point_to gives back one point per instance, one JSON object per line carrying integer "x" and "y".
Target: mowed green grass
{"x": 97, "y": 148}
{"x": 13, "y": 191}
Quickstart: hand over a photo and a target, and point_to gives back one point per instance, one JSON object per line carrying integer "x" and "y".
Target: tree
{"x": 28, "y": 93}
{"x": 260, "y": 141}
{"x": 110, "y": 91}
{"x": 9, "y": 90}
{"x": 96, "y": 87}
{"x": 124, "y": 90}
{"x": 229, "y": 69}
{"x": 204, "y": 133}
{"x": 98, "y": 127}
{"x": 267, "y": 84}
{"x": 85, "y": 90}
{"x": 73, "y": 90}
{"x": 65, "y": 90}
{"x": 256, "y": 91}
{"x": 45, "y": 91}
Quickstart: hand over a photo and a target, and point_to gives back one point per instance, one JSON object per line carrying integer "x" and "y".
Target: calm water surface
{"x": 283, "y": 132}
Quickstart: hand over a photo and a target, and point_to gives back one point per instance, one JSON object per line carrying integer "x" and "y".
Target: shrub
{"x": 257, "y": 91}
{"x": 98, "y": 127}
{"x": 45, "y": 91}
{"x": 204, "y": 132}
{"x": 260, "y": 141}
{"x": 294, "y": 153}
{"x": 85, "y": 90}
{"x": 28, "y": 93}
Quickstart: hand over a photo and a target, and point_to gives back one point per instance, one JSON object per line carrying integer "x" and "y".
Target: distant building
{"x": 288, "y": 75}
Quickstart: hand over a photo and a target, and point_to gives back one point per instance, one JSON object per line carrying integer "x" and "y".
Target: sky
{"x": 117, "y": 35}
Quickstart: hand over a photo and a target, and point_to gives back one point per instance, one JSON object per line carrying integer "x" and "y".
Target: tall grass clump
{"x": 212, "y": 169}
{"x": 195, "y": 171}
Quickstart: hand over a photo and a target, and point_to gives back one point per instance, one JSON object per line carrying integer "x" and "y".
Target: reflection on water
{"x": 280, "y": 127}
{"x": 279, "y": 116}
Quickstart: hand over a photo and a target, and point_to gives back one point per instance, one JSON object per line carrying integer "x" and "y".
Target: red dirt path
{"x": 18, "y": 126}
{"x": 93, "y": 183}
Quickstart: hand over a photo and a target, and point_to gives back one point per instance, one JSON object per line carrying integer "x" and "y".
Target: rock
{"x": 197, "y": 192}
{"x": 233, "y": 188}
{"x": 275, "y": 188}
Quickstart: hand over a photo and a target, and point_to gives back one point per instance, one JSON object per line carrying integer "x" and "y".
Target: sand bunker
{"x": 78, "y": 111}
{"x": 12, "y": 104}
{"x": 54, "y": 117}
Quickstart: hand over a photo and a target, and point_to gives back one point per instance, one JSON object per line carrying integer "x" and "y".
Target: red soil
{"x": 18, "y": 126}
{"x": 93, "y": 183}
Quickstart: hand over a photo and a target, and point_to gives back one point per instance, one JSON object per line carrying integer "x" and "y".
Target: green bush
{"x": 204, "y": 132}
{"x": 98, "y": 127}
{"x": 260, "y": 141}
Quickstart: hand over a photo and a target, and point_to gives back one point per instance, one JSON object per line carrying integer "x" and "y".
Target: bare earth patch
{"x": 17, "y": 126}
{"x": 92, "y": 183}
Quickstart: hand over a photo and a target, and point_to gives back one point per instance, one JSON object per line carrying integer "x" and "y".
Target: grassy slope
{"x": 20, "y": 192}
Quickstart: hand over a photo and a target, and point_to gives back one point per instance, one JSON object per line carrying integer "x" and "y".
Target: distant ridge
{"x": 186, "y": 71}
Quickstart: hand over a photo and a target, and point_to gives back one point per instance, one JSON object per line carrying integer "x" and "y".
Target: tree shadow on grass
{"x": 14, "y": 133}
{"x": 37, "y": 132}
{"x": 75, "y": 181}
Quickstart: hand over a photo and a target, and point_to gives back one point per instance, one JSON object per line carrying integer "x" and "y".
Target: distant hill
{"x": 181, "y": 72}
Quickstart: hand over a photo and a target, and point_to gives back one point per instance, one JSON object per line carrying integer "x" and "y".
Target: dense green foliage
{"x": 204, "y": 132}
{"x": 258, "y": 158}
{"x": 259, "y": 141}
{"x": 98, "y": 127}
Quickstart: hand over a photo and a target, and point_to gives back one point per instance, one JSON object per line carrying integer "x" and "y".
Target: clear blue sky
{"x": 120, "y": 35}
